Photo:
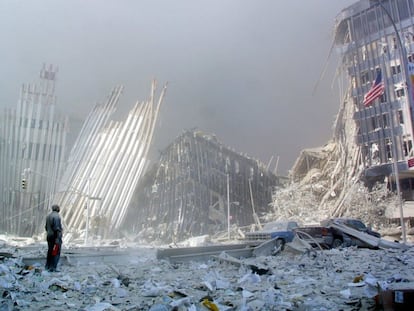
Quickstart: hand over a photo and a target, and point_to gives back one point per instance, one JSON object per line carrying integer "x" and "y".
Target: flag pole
{"x": 407, "y": 88}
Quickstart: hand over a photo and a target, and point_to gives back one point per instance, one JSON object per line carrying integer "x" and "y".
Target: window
{"x": 405, "y": 148}
{"x": 388, "y": 149}
{"x": 400, "y": 117}
{"x": 383, "y": 97}
{"x": 402, "y": 9}
{"x": 364, "y": 77}
{"x": 372, "y": 22}
{"x": 396, "y": 69}
{"x": 399, "y": 93}
{"x": 385, "y": 120}
{"x": 358, "y": 31}
{"x": 374, "y": 122}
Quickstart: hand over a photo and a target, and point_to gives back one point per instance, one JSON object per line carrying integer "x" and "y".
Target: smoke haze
{"x": 243, "y": 70}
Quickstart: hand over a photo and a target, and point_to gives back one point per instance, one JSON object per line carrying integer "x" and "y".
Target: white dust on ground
{"x": 316, "y": 280}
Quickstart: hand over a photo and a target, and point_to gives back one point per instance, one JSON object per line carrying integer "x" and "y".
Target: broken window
{"x": 375, "y": 153}
{"x": 388, "y": 149}
{"x": 407, "y": 146}
{"x": 400, "y": 93}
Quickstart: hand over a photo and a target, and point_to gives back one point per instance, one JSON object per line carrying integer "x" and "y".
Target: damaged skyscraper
{"x": 32, "y": 153}
{"x": 376, "y": 42}
{"x": 200, "y": 187}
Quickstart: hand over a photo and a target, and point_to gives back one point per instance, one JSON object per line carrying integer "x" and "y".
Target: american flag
{"x": 376, "y": 90}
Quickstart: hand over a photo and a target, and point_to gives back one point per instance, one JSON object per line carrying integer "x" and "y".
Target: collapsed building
{"x": 32, "y": 154}
{"x": 93, "y": 183}
{"x": 200, "y": 186}
{"x": 106, "y": 163}
{"x": 366, "y": 170}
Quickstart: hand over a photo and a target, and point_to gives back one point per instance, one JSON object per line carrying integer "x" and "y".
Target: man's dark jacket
{"x": 54, "y": 227}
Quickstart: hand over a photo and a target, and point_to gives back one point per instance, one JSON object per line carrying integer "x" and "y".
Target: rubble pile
{"x": 328, "y": 182}
{"x": 302, "y": 201}
{"x": 338, "y": 279}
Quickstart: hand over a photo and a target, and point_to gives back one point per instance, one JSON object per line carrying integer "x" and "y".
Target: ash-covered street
{"x": 121, "y": 276}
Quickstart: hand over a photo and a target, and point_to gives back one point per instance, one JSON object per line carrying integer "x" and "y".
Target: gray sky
{"x": 242, "y": 69}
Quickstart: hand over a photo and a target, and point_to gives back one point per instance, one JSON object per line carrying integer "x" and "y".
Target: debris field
{"x": 337, "y": 279}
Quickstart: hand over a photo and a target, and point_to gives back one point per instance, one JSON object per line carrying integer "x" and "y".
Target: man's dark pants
{"x": 51, "y": 261}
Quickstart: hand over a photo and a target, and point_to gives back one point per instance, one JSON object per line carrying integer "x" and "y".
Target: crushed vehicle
{"x": 282, "y": 231}
{"x": 339, "y": 232}
{"x": 352, "y": 223}
{"x": 343, "y": 239}
{"x": 316, "y": 236}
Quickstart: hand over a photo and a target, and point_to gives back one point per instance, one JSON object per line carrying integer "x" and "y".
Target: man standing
{"x": 54, "y": 238}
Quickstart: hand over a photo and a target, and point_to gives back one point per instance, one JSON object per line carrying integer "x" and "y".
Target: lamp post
{"x": 228, "y": 203}
{"x": 87, "y": 211}
{"x": 408, "y": 92}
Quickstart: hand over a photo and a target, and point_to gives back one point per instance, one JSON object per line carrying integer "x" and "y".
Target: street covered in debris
{"x": 198, "y": 228}
{"x": 120, "y": 275}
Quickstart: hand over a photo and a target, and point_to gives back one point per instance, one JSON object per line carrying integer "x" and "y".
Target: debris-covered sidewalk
{"x": 337, "y": 279}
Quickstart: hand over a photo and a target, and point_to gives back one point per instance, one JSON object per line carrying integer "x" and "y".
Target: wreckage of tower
{"x": 200, "y": 186}
{"x": 32, "y": 153}
{"x": 105, "y": 165}
{"x": 93, "y": 181}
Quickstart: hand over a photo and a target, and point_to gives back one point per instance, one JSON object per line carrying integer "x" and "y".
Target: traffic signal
{"x": 24, "y": 185}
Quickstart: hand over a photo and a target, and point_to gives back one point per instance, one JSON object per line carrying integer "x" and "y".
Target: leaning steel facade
{"x": 374, "y": 37}
{"x": 106, "y": 163}
{"x": 94, "y": 183}
{"x": 32, "y": 151}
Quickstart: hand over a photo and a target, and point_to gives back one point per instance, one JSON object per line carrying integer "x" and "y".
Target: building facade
{"x": 200, "y": 186}
{"x": 375, "y": 40}
{"x": 32, "y": 153}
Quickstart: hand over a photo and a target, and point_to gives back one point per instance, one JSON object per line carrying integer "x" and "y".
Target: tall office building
{"x": 376, "y": 43}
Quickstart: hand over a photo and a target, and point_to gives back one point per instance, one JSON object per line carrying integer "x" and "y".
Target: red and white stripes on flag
{"x": 376, "y": 90}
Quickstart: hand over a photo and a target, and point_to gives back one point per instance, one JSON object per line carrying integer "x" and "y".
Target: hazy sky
{"x": 241, "y": 69}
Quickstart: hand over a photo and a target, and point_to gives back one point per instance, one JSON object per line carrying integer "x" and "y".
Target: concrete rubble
{"x": 336, "y": 279}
